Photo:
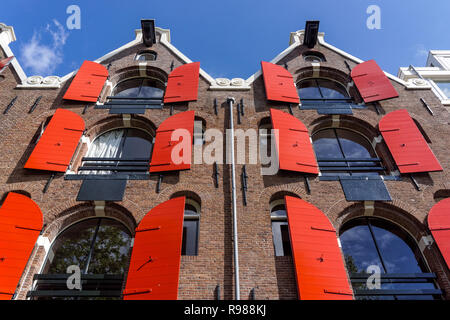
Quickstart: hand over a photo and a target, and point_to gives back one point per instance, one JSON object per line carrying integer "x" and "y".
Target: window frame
{"x": 191, "y": 217}
{"x": 144, "y": 53}
{"x": 276, "y": 222}
{"x": 344, "y": 159}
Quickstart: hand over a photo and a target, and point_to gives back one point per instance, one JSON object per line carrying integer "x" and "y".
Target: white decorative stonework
{"x": 35, "y": 80}
{"x": 223, "y": 81}
{"x": 227, "y": 84}
{"x": 41, "y": 82}
{"x": 237, "y": 82}
{"x": 419, "y": 82}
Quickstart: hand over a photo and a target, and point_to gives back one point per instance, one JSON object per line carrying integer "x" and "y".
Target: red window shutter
{"x": 87, "y": 83}
{"x": 55, "y": 148}
{"x": 162, "y": 150}
{"x": 5, "y": 62}
{"x": 294, "y": 148}
{"x": 155, "y": 259}
{"x": 182, "y": 84}
{"x": 407, "y": 145}
{"x": 279, "y": 83}
{"x": 21, "y": 222}
{"x": 319, "y": 267}
{"x": 439, "y": 225}
{"x": 372, "y": 83}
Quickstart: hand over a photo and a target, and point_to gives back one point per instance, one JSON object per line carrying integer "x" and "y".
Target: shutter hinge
{"x": 425, "y": 242}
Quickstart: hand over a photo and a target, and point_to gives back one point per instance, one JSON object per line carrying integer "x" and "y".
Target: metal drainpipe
{"x": 230, "y": 101}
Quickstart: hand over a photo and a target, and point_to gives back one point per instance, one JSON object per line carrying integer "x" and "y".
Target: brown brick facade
{"x": 271, "y": 277}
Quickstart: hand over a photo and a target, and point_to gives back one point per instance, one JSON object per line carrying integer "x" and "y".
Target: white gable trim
{"x": 295, "y": 41}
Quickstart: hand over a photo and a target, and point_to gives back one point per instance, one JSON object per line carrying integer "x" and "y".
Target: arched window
{"x": 139, "y": 88}
{"x": 189, "y": 246}
{"x": 146, "y": 56}
{"x": 99, "y": 247}
{"x": 345, "y": 152}
{"x": 280, "y": 228}
{"x": 125, "y": 150}
{"x": 318, "y": 90}
{"x": 265, "y": 141}
{"x": 377, "y": 244}
{"x": 313, "y": 56}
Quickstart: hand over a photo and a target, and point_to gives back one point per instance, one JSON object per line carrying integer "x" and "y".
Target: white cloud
{"x": 40, "y": 58}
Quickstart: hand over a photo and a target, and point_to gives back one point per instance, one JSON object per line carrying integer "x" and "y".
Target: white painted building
{"x": 436, "y": 74}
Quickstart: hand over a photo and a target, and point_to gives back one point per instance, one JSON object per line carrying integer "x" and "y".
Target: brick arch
{"x": 67, "y": 215}
{"x": 210, "y": 120}
{"x": 267, "y": 194}
{"x": 404, "y": 216}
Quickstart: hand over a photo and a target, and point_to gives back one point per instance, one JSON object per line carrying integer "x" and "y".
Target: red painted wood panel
{"x": 407, "y": 145}
{"x": 439, "y": 225}
{"x": 20, "y": 224}
{"x": 319, "y": 265}
{"x": 57, "y": 144}
{"x": 279, "y": 83}
{"x": 372, "y": 83}
{"x": 294, "y": 148}
{"x": 162, "y": 150}
{"x": 87, "y": 83}
{"x": 182, "y": 84}
{"x": 155, "y": 259}
{"x": 5, "y": 62}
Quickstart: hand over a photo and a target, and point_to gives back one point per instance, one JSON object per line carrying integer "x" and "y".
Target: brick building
{"x": 87, "y": 179}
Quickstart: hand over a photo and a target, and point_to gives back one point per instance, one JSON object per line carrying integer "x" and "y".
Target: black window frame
{"x": 191, "y": 233}
{"x": 280, "y": 232}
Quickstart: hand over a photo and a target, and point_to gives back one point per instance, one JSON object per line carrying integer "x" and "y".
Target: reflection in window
{"x": 280, "y": 230}
{"x": 344, "y": 152}
{"x": 130, "y": 148}
{"x": 139, "y": 88}
{"x": 265, "y": 142}
{"x": 98, "y": 246}
{"x": 313, "y": 56}
{"x": 371, "y": 241}
{"x": 445, "y": 87}
{"x": 189, "y": 245}
{"x": 317, "y": 90}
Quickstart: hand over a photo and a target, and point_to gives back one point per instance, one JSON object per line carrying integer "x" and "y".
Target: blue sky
{"x": 230, "y": 37}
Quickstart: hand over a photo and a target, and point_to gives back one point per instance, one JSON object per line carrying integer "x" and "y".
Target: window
{"x": 280, "y": 229}
{"x": 375, "y": 242}
{"x": 445, "y": 87}
{"x": 265, "y": 141}
{"x": 189, "y": 246}
{"x": 146, "y": 56}
{"x": 99, "y": 247}
{"x": 199, "y": 131}
{"x": 318, "y": 90}
{"x": 313, "y": 56}
{"x": 125, "y": 150}
{"x": 345, "y": 152}
{"x": 139, "y": 88}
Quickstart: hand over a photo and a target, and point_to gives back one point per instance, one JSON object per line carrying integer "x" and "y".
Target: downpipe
{"x": 231, "y": 101}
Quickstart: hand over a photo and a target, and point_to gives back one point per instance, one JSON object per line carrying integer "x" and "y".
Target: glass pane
{"x": 278, "y": 211}
{"x": 332, "y": 90}
{"x": 138, "y": 88}
{"x": 308, "y": 90}
{"x": 285, "y": 239}
{"x": 72, "y": 247}
{"x": 128, "y": 88}
{"x": 150, "y": 90}
{"x": 190, "y": 233}
{"x": 359, "y": 249}
{"x": 397, "y": 254}
{"x": 137, "y": 144}
{"x": 444, "y": 86}
{"x": 111, "y": 249}
{"x": 356, "y": 146}
{"x": 326, "y": 145}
